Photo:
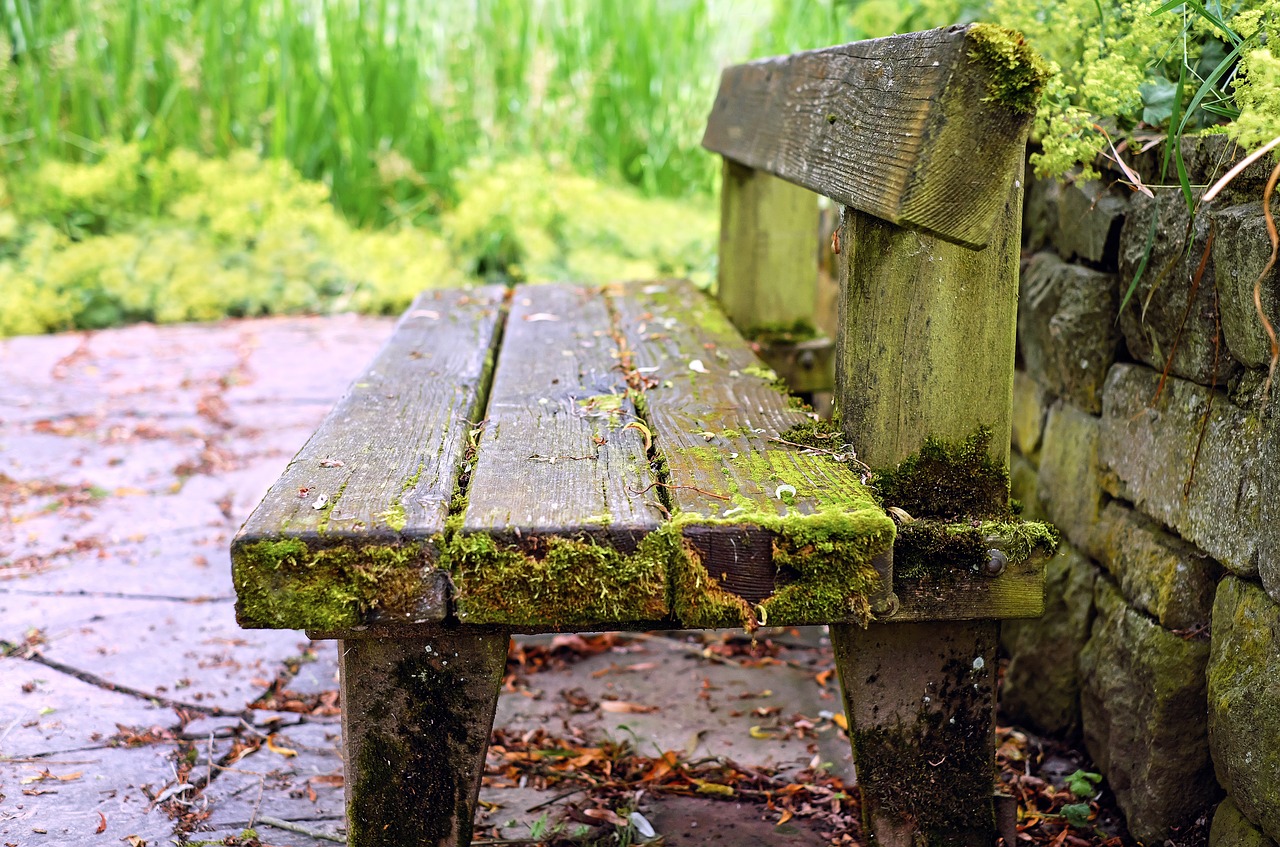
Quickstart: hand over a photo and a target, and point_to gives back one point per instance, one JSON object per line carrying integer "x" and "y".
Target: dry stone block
{"x": 1039, "y": 211}
{"x": 1089, "y": 221}
{"x": 1042, "y": 682}
{"x": 1023, "y": 481}
{"x": 1147, "y": 451}
{"x": 1142, "y": 700}
{"x": 1157, "y": 321}
{"x": 1240, "y": 252}
{"x": 1067, "y": 328}
{"x": 1269, "y": 512}
{"x": 1158, "y": 572}
{"x": 1244, "y": 700}
{"x": 1069, "y": 487}
{"x": 1232, "y": 829}
{"x": 1029, "y": 408}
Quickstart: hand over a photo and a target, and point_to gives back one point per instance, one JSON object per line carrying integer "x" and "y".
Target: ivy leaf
{"x": 1083, "y": 784}
{"x": 1077, "y": 814}
{"x": 1157, "y": 100}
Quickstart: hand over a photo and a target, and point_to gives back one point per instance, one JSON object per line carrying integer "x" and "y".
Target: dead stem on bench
{"x": 685, "y": 487}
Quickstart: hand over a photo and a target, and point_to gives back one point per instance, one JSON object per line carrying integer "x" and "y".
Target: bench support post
{"x": 926, "y": 348}
{"x": 769, "y": 271}
{"x": 417, "y": 713}
{"x": 920, "y": 699}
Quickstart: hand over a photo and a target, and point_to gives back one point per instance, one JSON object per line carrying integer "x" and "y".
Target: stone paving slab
{"x": 63, "y": 810}
{"x": 192, "y": 653}
{"x": 48, "y": 713}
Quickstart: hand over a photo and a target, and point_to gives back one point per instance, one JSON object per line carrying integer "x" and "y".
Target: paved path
{"x": 133, "y": 709}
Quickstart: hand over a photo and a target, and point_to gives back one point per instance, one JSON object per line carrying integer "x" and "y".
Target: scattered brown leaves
{"x": 613, "y": 771}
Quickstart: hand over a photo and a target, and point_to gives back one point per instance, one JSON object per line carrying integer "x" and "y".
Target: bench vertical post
{"x": 768, "y": 257}
{"x": 926, "y": 348}
{"x": 768, "y": 271}
{"x": 417, "y": 713}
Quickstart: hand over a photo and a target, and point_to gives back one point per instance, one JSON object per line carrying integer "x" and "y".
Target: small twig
{"x": 302, "y": 830}
{"x": 1235, "y": 171}
{"x": 1257, "y": 284}
{"x": 669, "y": 485}
{"x": 844, "y": 456}
{"x": 554, "y": 800}
{"x": 551, "y": 460}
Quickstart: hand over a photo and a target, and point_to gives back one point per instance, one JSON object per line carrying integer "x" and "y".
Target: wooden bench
{"x": 565, "y": 458}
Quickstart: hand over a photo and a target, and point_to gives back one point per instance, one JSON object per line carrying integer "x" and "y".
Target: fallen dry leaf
{"x": 624, "y": 708}
{"x": 276, "y": 748}
{"x": 102, "y": 824}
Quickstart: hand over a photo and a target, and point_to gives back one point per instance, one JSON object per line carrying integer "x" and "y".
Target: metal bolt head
{"x": 997, "y": 561}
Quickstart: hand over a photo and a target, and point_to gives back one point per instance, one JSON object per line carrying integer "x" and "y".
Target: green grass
{"x": 385, "y": 100}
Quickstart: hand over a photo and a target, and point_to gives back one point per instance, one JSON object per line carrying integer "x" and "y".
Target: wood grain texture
{"x": 768, "y": 267}
{"x": 903, "y": 128}
{"x": 959, "y": 596}
{"x": 715, "y": 413}
{"x": 927, "y": 336}
{"x": 556, "y": 456}
{"x": 376, "y": 476}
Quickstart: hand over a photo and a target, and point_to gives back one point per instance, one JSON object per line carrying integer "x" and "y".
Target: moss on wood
{"x": 286, "y": 584}
{"x": 558, "y": 581}
{"x": 925, "y": 547}
{"x": 948, "y": 480}
{"x": 1017, "y": 72}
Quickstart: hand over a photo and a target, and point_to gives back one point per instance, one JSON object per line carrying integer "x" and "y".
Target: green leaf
{"x": 1158, "y": 97}
{"x": 1077, "y": 814}
{"x": 1083, "y": 784}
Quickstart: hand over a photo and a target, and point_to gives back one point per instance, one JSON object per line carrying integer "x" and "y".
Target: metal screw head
{"x": 997, "y": 561}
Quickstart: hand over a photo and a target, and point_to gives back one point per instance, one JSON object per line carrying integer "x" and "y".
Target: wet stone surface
{"x": 134, "y": 710}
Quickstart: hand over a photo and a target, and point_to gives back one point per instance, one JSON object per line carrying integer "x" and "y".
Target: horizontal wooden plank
{"x": 346, "y": 534}
{"x": 742, "y": 497}
{"x": 556, "y": 508}
{"x": 918, "y": 129}
{"x": 959, "y": 595}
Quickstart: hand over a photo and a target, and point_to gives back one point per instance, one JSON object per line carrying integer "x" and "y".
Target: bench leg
{"x": 920, "y": 698}
{"x": 416, "y": 717}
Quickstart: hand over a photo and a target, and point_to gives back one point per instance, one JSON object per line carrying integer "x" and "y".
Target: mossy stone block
{"x": 1149, "y": 447}
{"x": 1142, "y": 699}
{"x": 1158, "y": 573}
{"x": 1090, "y": 216}
{"x": 1023, "y": 481}
{"x": 1232, "y": 829}
{"x": 1042, "y": 682}
{"x": 1069, "y": 486}
{"x": 1067, "y": 328}
{"x": 1029, "y": 408}
{"x": 1240, "y": 252}
{"x": 1039, "y": 211}
{"x": 1166, "y": 316}
{"x": 1244, "y": 700}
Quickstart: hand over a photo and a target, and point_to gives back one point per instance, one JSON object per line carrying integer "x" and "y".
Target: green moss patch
{"x": 925, "y": 548}
{"x": 947, "y": 480}
{"x": 286, "y": 584}
{"x": 1018, "y": 73}
{"x": 558, "y": 581}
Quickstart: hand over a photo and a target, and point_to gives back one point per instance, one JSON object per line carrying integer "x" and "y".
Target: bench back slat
{"x": 917, "y": 129}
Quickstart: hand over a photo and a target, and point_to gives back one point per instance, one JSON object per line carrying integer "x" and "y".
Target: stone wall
{"x": 1143, "y": 435}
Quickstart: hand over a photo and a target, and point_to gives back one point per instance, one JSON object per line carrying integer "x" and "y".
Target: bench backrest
{"x": 921, "y": 138}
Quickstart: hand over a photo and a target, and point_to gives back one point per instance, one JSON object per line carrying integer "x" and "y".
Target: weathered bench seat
{"x": 625, "y": 464}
